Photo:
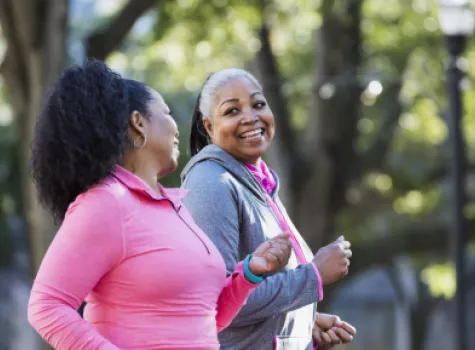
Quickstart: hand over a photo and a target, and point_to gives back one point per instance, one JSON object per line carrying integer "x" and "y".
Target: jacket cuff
{"x": 242, "y": 285}
{"x": 320, "y": 285}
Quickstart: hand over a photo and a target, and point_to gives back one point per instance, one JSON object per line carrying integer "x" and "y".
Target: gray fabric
{"x": 228, "y": 203}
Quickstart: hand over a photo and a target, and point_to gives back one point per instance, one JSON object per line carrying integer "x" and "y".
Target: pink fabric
{"x": 152, "y": 279}
{"x": 320, "y": 284}
{"x": 264, "y": 176}
{"x": 262, "y": 173}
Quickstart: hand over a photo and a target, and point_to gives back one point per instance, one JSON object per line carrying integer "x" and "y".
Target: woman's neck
{"x": 254, "y": 162}
{"x": 247, "y": 160}
{"x": 144, "y": 170}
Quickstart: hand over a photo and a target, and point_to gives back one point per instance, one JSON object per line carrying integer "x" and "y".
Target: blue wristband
{"x": 248, "y": 274}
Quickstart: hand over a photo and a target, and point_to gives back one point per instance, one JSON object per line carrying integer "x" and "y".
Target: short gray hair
{"x": 215, "y": 81}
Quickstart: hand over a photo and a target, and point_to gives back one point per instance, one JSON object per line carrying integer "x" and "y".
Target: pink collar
{"x": 263, "y": 175}
{"x": 136, "y": 184}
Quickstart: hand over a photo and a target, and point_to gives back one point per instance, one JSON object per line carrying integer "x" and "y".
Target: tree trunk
{"x": 331, "y": 129}
{"x": 284, "y": 155}
{"x": 421, "y": 313}
{"x": 36, "y": 34}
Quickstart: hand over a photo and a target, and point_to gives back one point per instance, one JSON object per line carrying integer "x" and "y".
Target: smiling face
{"x": 241, "y": 121}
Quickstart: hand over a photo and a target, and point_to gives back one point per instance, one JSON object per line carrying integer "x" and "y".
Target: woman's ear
{"x": 137, "y": 123}
{"x": 208, "y": 126}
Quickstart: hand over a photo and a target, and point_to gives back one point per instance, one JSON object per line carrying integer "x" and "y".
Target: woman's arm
{"x": 233, "y": 297}
{"x": 87, "y": 246}
{"x": 271, "y": 256}
{"x": 214, "y": 206}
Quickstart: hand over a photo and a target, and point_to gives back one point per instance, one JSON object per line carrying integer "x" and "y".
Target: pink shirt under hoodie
{"x": 264, "y": 176}
{"x": 152, "y": 279}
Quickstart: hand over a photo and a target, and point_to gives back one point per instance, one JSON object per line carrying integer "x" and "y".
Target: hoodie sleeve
{"x": 214, "y": 203}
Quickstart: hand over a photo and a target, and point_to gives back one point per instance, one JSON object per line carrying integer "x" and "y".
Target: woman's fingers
{"x": 284, "y": 246}
{"x": 344, "y": 244}
{"x": 281, "y": 241}
{"x": 273, "y": 259}
{"x": 275, "y": 255}
{"x": 348, "y": 328}
{"x": 283, "y": 235}
{"x": 343, "y": 335}
{"x": 348, "y": 253}
{"x": 317, "y": 337}
{"x": 334, "y": 338}
{"x": 326, "y": 340}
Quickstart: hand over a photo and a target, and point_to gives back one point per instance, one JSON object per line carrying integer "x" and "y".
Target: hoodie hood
{"x": 232, "y": 165}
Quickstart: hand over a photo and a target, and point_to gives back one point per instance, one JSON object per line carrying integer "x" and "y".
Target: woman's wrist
{"x": 251, "y": 277}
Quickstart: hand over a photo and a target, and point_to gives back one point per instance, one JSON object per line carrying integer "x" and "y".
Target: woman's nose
{"x": 249, "y": 118}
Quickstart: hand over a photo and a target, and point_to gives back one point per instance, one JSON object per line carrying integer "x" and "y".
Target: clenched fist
{"x": 329, "y": 331}
{"x": 333, "y": 260}
{"x": 271, "y": 256}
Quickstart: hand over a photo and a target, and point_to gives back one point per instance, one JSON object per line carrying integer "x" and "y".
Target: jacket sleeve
{"x": 87, "y": 246}
{"x": 214, "y": 204}
{"x": 233, "y": 297}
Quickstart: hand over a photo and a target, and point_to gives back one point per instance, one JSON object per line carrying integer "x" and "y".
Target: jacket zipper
{"x": 196, "y": 234}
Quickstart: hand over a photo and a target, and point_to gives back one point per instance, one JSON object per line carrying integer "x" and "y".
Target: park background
{"x": 363, "y": 144}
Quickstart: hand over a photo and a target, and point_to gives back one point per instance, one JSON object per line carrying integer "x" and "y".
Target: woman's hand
{"x": 271, "y": 256}
{"x": 333, "y": 260}
{"x": 329, "y": 330}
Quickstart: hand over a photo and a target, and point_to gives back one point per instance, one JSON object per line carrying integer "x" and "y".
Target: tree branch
{"x": 374, "y": 156}
{"x": 382, "y": 251}
{"x": 409, "y": 240}
{"x": 100, "y": 44}
{"x": 434, "y": 175}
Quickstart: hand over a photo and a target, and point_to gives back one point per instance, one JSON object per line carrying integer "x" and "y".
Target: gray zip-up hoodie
{"x": 229, "y": 205}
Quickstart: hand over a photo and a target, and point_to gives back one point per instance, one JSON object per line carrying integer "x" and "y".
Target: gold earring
{"x": 143, "y": 144}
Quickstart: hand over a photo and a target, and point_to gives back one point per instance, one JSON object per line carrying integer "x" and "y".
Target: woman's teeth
{"x": 252, "y": 134}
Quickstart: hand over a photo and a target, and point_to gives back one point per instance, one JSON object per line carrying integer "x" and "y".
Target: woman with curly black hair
{"x": 151, "y": 278}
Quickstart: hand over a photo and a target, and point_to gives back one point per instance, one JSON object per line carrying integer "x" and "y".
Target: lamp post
{"x": 457, "y": 22}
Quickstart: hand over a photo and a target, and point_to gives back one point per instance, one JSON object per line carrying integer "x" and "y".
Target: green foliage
{"x": 175, "y": 46}
{"x": 441, "y": 280}
{"x": 403, "y": 44}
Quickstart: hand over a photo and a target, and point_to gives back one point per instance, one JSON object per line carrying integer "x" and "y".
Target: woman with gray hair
{"x": 234, "y": 198}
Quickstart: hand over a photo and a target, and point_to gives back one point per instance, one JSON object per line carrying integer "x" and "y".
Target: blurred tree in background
{"x": 357, "y": 89}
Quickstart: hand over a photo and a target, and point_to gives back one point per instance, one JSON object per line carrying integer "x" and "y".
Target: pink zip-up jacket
{"x": 151, "y": 278}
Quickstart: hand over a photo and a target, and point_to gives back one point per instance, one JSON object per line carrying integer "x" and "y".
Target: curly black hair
{"x": 81, "y": 132}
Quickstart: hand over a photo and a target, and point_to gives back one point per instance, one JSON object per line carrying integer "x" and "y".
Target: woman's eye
{"x": 232, "y": 110}
{"x": 259, "y": 105}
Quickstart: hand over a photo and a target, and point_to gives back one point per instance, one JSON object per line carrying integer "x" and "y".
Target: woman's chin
{"x": 173, "y": 165}
{"x": 170, "y": 169}
{"x": 258, "y": 151}
{"x": 252, "y": 157}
